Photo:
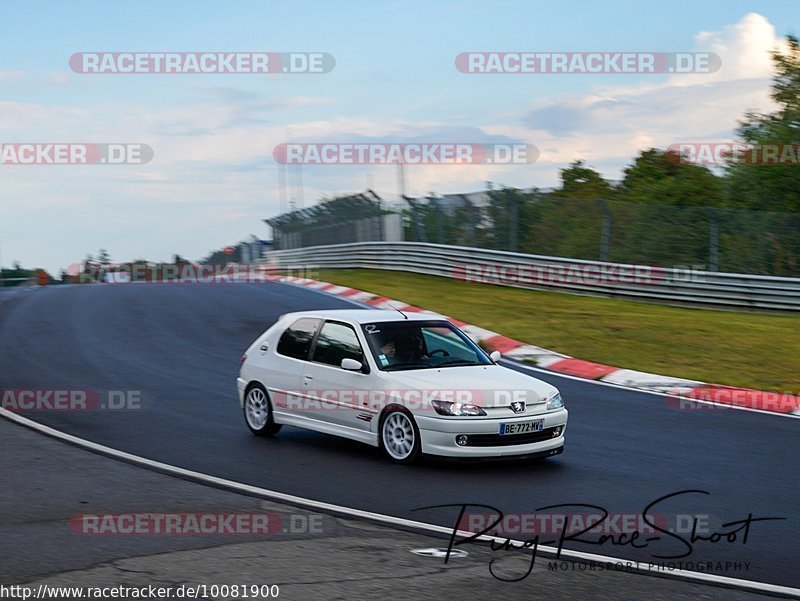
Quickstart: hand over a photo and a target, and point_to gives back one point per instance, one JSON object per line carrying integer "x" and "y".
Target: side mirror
{"x": 351, "y": 364}
{"x": 495, "y": 356}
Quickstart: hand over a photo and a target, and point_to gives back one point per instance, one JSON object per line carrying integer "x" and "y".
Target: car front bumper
{"x": 438, "y": 436}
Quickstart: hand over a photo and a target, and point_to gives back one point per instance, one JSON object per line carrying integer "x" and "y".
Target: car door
{"x": 285, "y": 370}
{"x": 338, "y": 396}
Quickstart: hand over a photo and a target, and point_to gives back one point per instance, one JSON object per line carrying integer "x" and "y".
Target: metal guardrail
{"x": 642, "y": 282}
{"x": 3, "y": 281}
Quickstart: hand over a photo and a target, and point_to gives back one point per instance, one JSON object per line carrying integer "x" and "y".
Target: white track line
{"x": 378, "y": 517}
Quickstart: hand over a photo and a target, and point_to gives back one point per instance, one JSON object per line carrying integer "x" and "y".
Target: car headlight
{"x": 555, "y": 402}
{"x": 459, "y": 409}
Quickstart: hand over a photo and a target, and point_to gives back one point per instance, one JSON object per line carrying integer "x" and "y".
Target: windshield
{"x": 404, "y": 345}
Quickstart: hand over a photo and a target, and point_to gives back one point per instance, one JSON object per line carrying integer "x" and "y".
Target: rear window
{"x": 295, "y": 342}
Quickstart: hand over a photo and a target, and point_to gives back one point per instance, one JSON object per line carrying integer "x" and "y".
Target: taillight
{"x": 242, "y": 360}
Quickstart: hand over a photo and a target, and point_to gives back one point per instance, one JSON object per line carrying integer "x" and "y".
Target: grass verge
{"x": 724, "y": 347}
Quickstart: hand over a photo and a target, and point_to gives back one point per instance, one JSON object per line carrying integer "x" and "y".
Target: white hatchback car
{"x": 407, "y": 383}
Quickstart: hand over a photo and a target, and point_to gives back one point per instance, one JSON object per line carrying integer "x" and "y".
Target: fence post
{"x": 713, "y": 240}
{"x": 415, "y": 226}
{"x": 439, "y": 222}
{"x": 513, "y": 223}
{"x": 605, "y": 235}
{"x": 474, "y": 220}
{"x": 379, "y": 213}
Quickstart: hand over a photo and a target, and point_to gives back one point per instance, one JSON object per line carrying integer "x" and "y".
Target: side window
{"x": 337, "y": 341}
{"x": 296, "y": 340}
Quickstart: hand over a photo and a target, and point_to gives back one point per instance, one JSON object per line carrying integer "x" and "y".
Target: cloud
{"x": 564, "y": 119}
{"x": 744, "y": 48}
{"x": 612, "y": 124}
{"x": 12, "y": 75}
{"x": 213, "y": 176}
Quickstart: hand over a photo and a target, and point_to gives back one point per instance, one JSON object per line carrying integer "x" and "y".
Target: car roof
{"x": 366, "y": 315}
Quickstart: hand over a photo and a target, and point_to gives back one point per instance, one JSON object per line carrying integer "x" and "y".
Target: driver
{"x": 403, "y": 347}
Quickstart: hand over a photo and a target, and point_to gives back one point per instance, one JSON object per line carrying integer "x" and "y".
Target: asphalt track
{"x": 180, "y": 346}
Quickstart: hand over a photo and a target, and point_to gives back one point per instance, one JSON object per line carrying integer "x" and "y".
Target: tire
{"x": 399, "y": 436}
{"x": 258, "y": 412}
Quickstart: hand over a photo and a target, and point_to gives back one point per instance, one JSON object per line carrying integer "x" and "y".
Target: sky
{"x": 213, "y": 177}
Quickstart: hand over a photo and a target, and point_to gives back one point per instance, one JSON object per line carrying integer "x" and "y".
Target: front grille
{"x": 495, "y": 440}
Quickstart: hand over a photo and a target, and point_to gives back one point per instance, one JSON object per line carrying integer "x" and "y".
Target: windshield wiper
{"x": 403, "y": 366}
{"x": 457, "y": 362}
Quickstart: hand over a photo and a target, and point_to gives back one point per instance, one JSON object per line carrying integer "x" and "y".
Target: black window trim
{"x": 307, "y": 359}
{"x": 365, "y": 368}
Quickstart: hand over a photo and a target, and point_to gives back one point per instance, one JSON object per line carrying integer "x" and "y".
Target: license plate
{"x": 522, "y": 427}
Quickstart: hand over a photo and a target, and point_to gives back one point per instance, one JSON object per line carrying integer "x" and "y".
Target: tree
{"x": 658, "y": 177}
{"x": 581, "y": 182}
{"x": 774, "y": 187}
{"x": 103, "y": 257}
{"x": 666, "y": 215}
{"x": 509, "y": 210}
{"x": 16, "y": 274}
{"x": 567, "y": 222}
{"x": 220, "y": 257}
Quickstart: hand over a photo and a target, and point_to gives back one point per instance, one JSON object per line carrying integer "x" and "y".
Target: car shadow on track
{"x": 359, "y": 455}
